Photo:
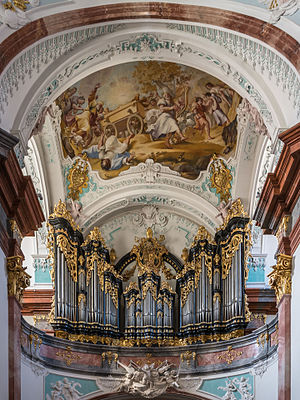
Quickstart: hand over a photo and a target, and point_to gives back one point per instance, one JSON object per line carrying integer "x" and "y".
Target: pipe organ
{"x": 149, "y": 297}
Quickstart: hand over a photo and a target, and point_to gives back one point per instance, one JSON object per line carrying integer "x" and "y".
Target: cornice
{"x": 18, "y": 197}
{"x": 281, "y": 189}
{"x": 50, "y": 25}
{"x": 7, "y": 143}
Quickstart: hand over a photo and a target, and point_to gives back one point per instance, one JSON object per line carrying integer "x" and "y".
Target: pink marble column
{"x": 14, "y": 346}
{"x": 284, "y": 348}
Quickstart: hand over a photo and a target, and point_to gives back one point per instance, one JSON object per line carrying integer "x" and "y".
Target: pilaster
{"x": 281, "y": 282}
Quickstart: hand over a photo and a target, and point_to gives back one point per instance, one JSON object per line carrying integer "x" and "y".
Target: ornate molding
{"x": 12, "y": 12}
{"x": 17, "y": 278}
{"x": 149, "y": 171}
{"x": 280, "y": 278}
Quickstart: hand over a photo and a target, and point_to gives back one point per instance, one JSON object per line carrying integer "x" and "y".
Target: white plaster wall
{"x": 3, "y": 329}
{"x": 32, "y": 385}
{"x": 266, "y": 387}
{"x": 28, "y": 248}
{"x": 295, "y": 327}
{"x": 269, "y": 247}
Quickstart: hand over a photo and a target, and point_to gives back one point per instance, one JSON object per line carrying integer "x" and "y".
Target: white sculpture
{"x": 64, "y": 390}
{"x": 75, "y": 208}
{"x": 148, "y": 381}
{"x": 13, "y": 15}
{"x": 223, "y": 209}
{"x": 240, "y": 386}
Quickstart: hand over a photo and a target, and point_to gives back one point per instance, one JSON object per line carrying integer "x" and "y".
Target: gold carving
{"x": 262, "y": 339}
{"x": 128, "y": 274}
{"x": 230, "y": 355}
{"x": 37, "y": 318}
{"x": 149, "y": 253}
{"x": 112, "y": 255}
{"x": 69, "y": 250}
{"x": 228, "y": 253}
{"x": 14, "y": 4}
{"x": 283, "y": 227}
{"x": 110, "y": 357}
{"x": 216, "y": 297}
{"x": 220, "y": 178}
{"x": 236, "y": 210}
{"x": 202, "y": 235}
{"x": 15, "y": 229}
{"x": 78, "y": 177}
{"x": 132, "y": 285}
{"x": 68, "y": 356}
{"x": 280, "y": 279}
{"x": 94, "y": 235}
{"x": 188, "y": 356}
{"x": 81, "y": 298}
{"x": 60, "y": 211}
{"x": 17, "y": 278}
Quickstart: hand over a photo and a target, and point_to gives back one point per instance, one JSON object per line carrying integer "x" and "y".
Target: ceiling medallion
{"x": 220, "y": 178}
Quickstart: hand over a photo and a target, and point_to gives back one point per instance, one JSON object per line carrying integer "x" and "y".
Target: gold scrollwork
{"x": 149, "y": 253}
{"x": 95, "y": 236}
{"x": 280, "y": 278}
{"x": 78, "y": 177}
{"x": 60, "y": 211}
{"x": 220, "y": 178}
{"x": 262, "y": 339}
{"x": 70, "y": 252}
{"x": 228, "y": 253}
{"x": 68, "y": 356}
{"x": 81, "y": 298}
{"x": 230, "y": 355}
{"x": 17, "y": 277}
{"x": 110, "y": 357}
{"x": 188, "y": 356}
{"x": 202, "y": 235}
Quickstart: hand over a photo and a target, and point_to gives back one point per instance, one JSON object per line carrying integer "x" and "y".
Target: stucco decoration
{"x": 149, "y": 381}
{"x": 12, "y": 13}
{"x": 281, "y": 8}
{"x": 237, "y": 389}
{"x": 176, "y": 115}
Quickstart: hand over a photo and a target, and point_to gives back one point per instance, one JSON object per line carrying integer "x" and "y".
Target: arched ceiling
{"x": 72, "y": 44}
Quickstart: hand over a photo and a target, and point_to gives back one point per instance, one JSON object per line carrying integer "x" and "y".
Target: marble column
{"x": 280, "y": 281}
{"x": 17, "y": 281}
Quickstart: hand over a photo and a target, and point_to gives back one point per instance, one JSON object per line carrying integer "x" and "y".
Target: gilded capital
{"x": 17, "y": 278}
{"x": 280, "y": 279}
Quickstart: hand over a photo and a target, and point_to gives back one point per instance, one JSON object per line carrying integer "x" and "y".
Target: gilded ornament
{"x": 131, "y": 286}
{"x": 149, "y": 253}
{"x": 109, "y": 356}
{"x": 230, "y": 355}
{"x": 81, "y": 298}
{"x": 262, "y": 339}
{"x": 15, "y": 229}
{"x": 68, "y": 356}
{"x": 216, "y": 297}
{"x": 94, "y": 236}
{"x": 280, "y": 279}
{"x": 220, "y": 178}
{"x": 188, "y": 356}
{"x": 78, "y": 177}
{"x": 69, "y": 250}
{"x": 202, "y": 235}
{"x": 228, "y": 253}
{"x": 60, "y": 211}
{"x": 17, "y": 277}
{"x": 236, "y": 210}
{"x": 14, "y": 4}
{"x": 283, "y": 227}
{"x": 112, "y": 255}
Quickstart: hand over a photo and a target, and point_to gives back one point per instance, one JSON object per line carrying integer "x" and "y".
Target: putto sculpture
{"x": 149, "y": 381}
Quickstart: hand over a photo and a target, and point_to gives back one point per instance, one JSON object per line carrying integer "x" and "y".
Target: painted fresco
{"x": 174, "y": 114}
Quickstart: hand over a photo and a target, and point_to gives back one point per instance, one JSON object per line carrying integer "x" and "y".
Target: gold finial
{"x": 112, "y": 255}
{"x": 149, "y": 233}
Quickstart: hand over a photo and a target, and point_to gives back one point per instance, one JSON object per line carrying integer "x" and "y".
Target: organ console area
{"x": 149, "y": 297}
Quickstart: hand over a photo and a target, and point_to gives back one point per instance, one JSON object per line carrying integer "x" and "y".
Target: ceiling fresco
{"x": 176, "y": 115}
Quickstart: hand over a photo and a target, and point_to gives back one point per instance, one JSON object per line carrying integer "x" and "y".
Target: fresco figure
{"x": 225, "y": 93}
{"x": 166, "y": 124}
{"x": 212, "y": 103}
{"x": 200, "y": 117}
{"x": 112, "y": 153}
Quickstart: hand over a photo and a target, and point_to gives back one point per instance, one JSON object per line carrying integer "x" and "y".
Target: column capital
{"x": 280, "y": 279}
{"x": 17, "y": 278}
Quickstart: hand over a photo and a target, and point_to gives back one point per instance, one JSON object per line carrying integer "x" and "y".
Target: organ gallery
{"x": 149, "y": 297}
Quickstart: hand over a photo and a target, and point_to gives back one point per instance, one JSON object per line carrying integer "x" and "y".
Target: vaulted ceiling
{"x": 137, "y": 51}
